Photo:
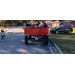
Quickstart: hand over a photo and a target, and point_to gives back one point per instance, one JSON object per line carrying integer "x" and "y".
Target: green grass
{"x": 66, "y": 42}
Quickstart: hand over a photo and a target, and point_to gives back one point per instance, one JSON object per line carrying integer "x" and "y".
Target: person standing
{"x": 2, "y": 35}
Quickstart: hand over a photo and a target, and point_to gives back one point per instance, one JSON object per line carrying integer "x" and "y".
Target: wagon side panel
{"x": 36, "y": 31}
{"x": 26, "y": 31}
{"x": 46, "y": 31}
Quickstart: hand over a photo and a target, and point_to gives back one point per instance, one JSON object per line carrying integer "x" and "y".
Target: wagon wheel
{"x": 26, "y": 40}
{"x": 29, "y": 37}
{"x": 57, "y": 32}
{"x": 44, "y": 37}
{"x": 46, "y": 40}
{"x": 69, "y": 32}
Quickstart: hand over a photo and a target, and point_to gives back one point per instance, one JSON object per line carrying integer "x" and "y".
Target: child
{"x": 45, "y": 25}
{"x": 2, "y": 35}
{"x": 39, "y": 24}
{"x": 36, "y": 25}
{"x": 42, "y": 25}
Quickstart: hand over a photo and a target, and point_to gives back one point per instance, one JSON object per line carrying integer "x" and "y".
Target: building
{"x": 48, "y": 23}
{"x": 66, "y": 22}
{"x": 53, "y": 24}
{"x": 70, "y": 23}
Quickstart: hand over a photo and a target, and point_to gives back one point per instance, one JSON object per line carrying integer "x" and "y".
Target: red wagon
{"x": 30, "y": 32}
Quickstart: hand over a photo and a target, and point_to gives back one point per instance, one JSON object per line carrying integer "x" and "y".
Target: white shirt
{"x": 39, "y": 25}
{"x": 2, "y": 33}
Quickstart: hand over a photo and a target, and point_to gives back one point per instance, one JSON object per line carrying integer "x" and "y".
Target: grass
{"x": 66, "y": 42}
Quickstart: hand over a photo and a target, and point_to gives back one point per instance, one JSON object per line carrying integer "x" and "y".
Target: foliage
{"x": 19, "y": 22}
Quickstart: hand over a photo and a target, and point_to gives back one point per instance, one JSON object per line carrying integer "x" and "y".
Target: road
{"x": 15, "y": 44}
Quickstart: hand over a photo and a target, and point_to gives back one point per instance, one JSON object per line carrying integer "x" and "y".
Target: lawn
{"x": 66, "y": 42}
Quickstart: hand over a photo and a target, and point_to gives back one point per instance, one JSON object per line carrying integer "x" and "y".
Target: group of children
{"x": 36, "y": 25}
{"x": 41, "y": 25}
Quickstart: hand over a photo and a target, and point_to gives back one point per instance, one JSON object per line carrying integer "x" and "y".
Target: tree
{"x": 2, "y": 22}
{"x": 8, "y": 21}
{"x": 37, "y": 20}
{"x": 24, "y": 21}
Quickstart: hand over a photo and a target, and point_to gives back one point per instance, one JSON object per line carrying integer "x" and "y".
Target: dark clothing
{"x": 27, "y": 25}
{"x": 45, "y": 25}
{"x": 2, "y": 37}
